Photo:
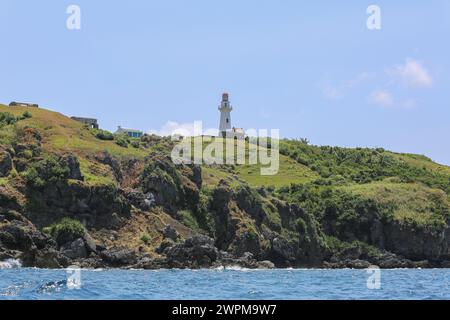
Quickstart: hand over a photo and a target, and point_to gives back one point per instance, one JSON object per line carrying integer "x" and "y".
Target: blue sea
{"x": 24, "y": 283}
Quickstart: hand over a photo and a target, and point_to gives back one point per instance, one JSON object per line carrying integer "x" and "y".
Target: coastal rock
{"x": 244, "y": 242}
{"x": 198, "y": 251}
{"x": 48, "y": 258}
{"x": 170, "y": 233}
{"x": 282, "y": 252}
{"x": 21, "y": 240}
{"x": 119, "y": 256}
{"x": 5, "y": 163}
{"x": 140, "y": 200}
{"x": 106, "y": 158}
{"x": 250, "y": 201}
{"x": 74, "y": 167}
{"x": 75, "y": 249}
{"x": 166, "y": 243}
{"x": 265, "y": 264}
{"x": 418, "y": 243}
{"x": 18, "y": 235}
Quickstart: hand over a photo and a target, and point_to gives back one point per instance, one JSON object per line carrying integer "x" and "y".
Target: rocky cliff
{"x": 74, "y": 195}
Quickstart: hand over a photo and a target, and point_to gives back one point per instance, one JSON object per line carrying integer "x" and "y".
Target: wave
{"x": 10, "y": 264}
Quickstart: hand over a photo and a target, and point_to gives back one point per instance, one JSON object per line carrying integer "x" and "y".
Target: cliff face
{"x": 71, "y": 195}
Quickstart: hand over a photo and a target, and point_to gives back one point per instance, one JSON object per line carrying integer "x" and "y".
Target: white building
{"x": 225, "y": 129}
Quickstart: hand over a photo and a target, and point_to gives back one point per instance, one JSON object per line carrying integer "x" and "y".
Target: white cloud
{"x": 412, "y": 73}
{"x": 187, "y": 129}
{"x": 386, "y": 99}
{"x": 173, "y": 127}
{"x": 338, "y": 91}
{"x": 382, "y": 97}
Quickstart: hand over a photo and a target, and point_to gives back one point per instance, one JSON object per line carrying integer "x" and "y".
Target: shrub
{"x": 66, "y": 230}
{"x": 7, "y": 118}
{"x": 189, "y": 220}
{"x": 103, "y": 134}
{"x": 122, "y": 140}
{"x": 145, "y": 238}
{"x": 45, "y": 172}
{"x": 135, "y": 144}
{"x": 27, "y": 115}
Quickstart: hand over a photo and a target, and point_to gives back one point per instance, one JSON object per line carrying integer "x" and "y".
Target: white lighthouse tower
{"x": 225, "y": 115}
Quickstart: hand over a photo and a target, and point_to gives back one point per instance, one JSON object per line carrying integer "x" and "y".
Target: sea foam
{"x": 10, "y": 264}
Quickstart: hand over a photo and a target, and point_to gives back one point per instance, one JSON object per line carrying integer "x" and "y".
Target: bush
{"x": 145, "y": 238}
{"x": 7, "y": 118}
{"x": 135, "y": 144}
{"x": 122, "y": 140}
{"x": 189, "y": 220}
{"x": 27, "y": 115}
{"x": 66, "y": 230}
{"x": 103, "y": 134}
{"x": 47, "y": 171}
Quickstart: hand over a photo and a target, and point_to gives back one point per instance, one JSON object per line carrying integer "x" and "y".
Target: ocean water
{"x": 25, "y": 283}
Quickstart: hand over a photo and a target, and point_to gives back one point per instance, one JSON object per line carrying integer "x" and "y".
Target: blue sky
{"x": 312, "y": 70}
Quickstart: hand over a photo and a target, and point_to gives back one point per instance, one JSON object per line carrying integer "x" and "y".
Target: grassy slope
{"x": 63, "y": 134}
{"x": 60, "y": 134}
{"x": 412, "y": 200}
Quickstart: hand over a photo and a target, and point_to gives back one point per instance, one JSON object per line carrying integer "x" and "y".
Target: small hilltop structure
{"x": 23, "y": 104}
{"x": 132, "y": 133}
{"x": 90, "y": 122}
{"x": 225, "y": 127}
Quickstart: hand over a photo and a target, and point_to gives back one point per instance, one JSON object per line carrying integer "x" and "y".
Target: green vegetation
{"x": 66, "y": 230}
{"x": 95, "y": 173}
{"x": 340, "y": 248}
{"x": 363, "y": 165}
{"x": 7, "y": 118}
{"x": 145, "y": 238}
{"x": 47, "y": 171}
{"x": 189, "y": 220}
{"x": 27, "y": 115}
{"x": 122, "y": 140}
{"x": 102, "y": 134}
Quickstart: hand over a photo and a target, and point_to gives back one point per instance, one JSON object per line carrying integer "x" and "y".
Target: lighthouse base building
{"x": 225, "y": 128}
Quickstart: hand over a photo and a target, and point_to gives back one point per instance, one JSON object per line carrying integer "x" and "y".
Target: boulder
{"x": 166, "y": 243}
{"x": 282, "y": 252}
{"x": 265, "y": 264}
{"x": 170, "y": 233}
{"x": 17, "y": 235}
{"x": 119, "y": 256}
{"x": 198, "y": 251}
{"x": 49, "y": 258}
{"x": 245, "y": 241}
{"x": 5, "y": 163}
{"x": 89, "y": 243}
{"x": 75, "y": 249}
{"x": 140, "y": 200}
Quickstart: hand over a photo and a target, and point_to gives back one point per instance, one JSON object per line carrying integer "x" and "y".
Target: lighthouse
{"x": 225, "y": 115}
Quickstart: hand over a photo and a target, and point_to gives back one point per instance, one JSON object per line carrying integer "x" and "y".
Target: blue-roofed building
{"x": 129, "y": 132}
